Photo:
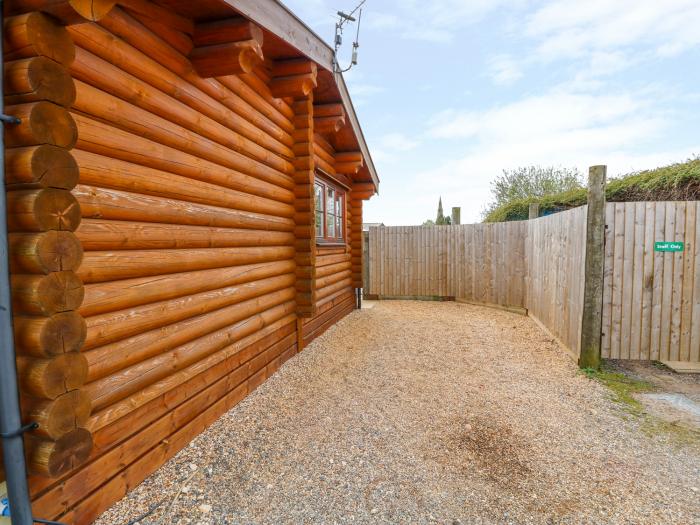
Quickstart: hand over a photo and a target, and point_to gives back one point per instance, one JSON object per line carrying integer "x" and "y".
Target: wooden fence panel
{"x": 477, "y": 262}
{"x": 555, "y": 255}
{"x": 651, "y": 300}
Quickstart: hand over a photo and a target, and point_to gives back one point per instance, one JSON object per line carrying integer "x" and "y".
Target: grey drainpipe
{"x": 10, "y": 419}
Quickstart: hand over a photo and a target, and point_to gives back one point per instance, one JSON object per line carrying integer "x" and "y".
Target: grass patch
{"x": 622, "y": 387}
{"x": 676, "y": 182}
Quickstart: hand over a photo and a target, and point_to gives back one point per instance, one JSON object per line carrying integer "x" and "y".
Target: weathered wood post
{"x": 533, "y": 210}
{"x": 592, "y": 319}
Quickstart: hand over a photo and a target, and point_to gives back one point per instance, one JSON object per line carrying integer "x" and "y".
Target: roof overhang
{"x": 279, "y": 20}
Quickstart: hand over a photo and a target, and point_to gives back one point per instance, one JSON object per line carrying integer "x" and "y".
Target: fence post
{"x": 456, "y": 216}
{"x": 592, "y": 319}
{"x": 533, "y": 211}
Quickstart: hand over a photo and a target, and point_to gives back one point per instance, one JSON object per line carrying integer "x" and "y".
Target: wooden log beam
{"x": 112, "y": 265}
{"x": 38, "y": 78}
{"x": 42, "y": 166}
{"x": 42, "y": 123}
{"x": 42, "y": 210}
{"x": 329, "y": 125}
{"x": 328, "y": 119}
{"x": 46, "y": 336}
{"x": 153, "y": 422}
{"x": 349, "y": 156}
{"x": 117, "y": 295}
{"x": 60, "y": 416}
{"x": 115, "y": 326}
{"x": 130, "y": 380}
{"x": 226, "y": 30}
{"x": 103, "y": 62}
{"x": 55, "y": 458}
{"x": 273, "y": 320}
{"x": 226, "y": 47}
{"x": 364, "y": 195}
{"x": 297, "y": 86}
{"x": 245, "y": 138}
{"x": 95, "y": 234}
{"x": 153, "y": 11}
{"x": 294, "y": 67}
{"x": 216, "y": 166}
{"x": 347, "y": 168}
{"x": 106, "y": 204}
{"x": 36, "y": 34}
{"x": 232, "y": 58}
{"x": 67, "y": 11}
{"x": 46, "y": 294}
{"x": 52, "y": 377}
{"x": 362, "y": 187}
{"x": 52, "y": 251}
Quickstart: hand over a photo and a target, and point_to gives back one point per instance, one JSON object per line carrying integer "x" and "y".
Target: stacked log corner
{"x": 192, "y": 199}
{"x": 45, "y": 254}
{"x": 304, "y": 207}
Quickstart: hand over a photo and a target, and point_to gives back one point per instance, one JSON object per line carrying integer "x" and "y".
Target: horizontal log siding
{"x": 186, "y": 191}
{"x": 333, "y": 283}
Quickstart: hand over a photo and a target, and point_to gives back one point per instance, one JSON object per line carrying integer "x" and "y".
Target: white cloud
{"x": 504, "y": 70}
{"x": 570, "y": 28}
{"x": 435, "y": 21}
{"x": 561, "y": 127}
{"x": 389, "y": 148}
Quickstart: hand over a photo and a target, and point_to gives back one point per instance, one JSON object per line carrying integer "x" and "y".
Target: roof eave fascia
{"x": 278, "y": 19}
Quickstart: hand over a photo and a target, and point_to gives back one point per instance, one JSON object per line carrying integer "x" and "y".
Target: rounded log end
{"x": 56, "y": 458}
{"x": 60, "y": 416}
{"x": 49, "y": 38}
{"x": 54, "y": 167}
{"x": 61, "y": 292}
{"x": 51, "y": 81}
{"x": 307, "y": 86}
{"x": 57, "y": 210}
{"x": 63, "y": 333}
{"x": 53, "y": 124}
{"x": 51, "y": 378}
{"x": 59, "y": 251}
{"x": 50, "y": 336}
{"x": 247, "y": 59}
{"x": 93, "y": 10}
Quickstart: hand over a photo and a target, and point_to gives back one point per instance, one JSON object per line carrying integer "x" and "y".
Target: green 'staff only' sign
{"x": 669, "y": 246}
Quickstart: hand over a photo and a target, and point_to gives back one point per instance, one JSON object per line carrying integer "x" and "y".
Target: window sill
{"x": 328, "y": 244}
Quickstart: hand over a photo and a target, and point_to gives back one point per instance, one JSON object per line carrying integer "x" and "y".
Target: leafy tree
{"x": 532, "y": 182}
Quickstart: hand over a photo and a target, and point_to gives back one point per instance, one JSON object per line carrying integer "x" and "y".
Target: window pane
{"x": 319, "y": 197}
{"x": 319, "y": 224}
{"x": 339, "y": 227}
{"x": 339, "y": 204}
{"x": 330, "y": 224}
{"x": 330, "y": 206}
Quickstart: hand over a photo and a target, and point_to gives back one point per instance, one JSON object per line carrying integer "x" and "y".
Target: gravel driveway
{"x": 417, "y": 412}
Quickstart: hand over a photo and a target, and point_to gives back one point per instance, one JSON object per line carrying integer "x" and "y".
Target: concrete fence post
{"x": 533, "y": 211}
{"x": 592, "y": 319}
{"x": 456, "y": 216}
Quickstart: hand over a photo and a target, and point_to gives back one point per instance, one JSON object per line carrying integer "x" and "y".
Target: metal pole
{"x": 10, "y": 419}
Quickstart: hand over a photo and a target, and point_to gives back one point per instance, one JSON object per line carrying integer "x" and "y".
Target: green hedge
{"x": 677, "y": 182}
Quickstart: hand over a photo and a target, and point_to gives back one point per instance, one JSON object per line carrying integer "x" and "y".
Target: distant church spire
{"x": 440, "y": 216}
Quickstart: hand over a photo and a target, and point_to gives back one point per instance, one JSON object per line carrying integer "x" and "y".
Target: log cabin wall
{"x": 163, "y": 250}
{"x": 333, "y": 287}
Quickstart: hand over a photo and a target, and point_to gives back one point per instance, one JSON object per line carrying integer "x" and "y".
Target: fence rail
{"x": 651, "y": 299}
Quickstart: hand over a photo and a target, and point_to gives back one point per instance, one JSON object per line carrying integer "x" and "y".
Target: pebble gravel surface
{"x": 420, "y": 412}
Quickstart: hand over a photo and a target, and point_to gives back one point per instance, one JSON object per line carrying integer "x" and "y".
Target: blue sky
{"x": 451, "y": 92}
